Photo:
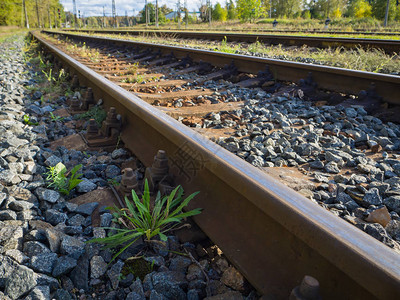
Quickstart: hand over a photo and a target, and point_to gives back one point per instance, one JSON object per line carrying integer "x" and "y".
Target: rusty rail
{"x": 389, "y": 46}
{"x": 258, "y": 30}
{"x": 272, "y": 234}
{"x": 329, "y": 78}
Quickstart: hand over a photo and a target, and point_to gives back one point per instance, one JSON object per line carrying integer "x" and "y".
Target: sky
{"x": 95, "y": 7}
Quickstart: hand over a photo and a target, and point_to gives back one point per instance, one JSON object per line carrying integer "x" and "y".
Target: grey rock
{"x": 20, "y": 205}
{"x": 118, "y": 153}
{"x": 76, "y": 220}
{"x": 46, "y": 280}
{"x": 179, "y": 264}
{"x": 170, "y": 284}
{"x": 87, "y": 208}
{"x": 52, "y": 161}
{"x": 44, "y": 263}
{"x": 62, "y": 294}
{"x": 372, "y": 197}
{"x": 105, "y": 220}
{"x": 80, "y": 274}
{"x": 72, "y": 246}
{"x": 64, "y": 265}
{"x": 193, "y": 295}
{"x": 10, "y": 237}
{"x": 134, "y": 296}
{"x": 86, "y": 186}
{"x": 17, "y": 255}
{"x": 393, "y": 228}
{"x": 112, "y": 171}
{"x": 7, "y": 267}
{"x": 33, "y": 248}
{"x": 98, "y": 267}
{"x": 7, "y": 215}
{"x": 47, "y": 195}
{"x": 113, "y": 274}
{"x": 20, "y": 282}
{"x": 332, "y": 167}
{"x": 154, "y": 295}
{"x": 55, "y": 217}
{"x": 137, "y": 287}
{"x": 39, "y": 293}
{"x": 9, "y": 177}
{"x": 393, "y": 203}
{"x": 53, "y": 237}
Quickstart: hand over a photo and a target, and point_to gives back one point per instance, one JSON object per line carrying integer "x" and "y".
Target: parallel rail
{"x": 262, "y": 30}
{"x": 329, "y": 78}
{"x": 272, "y": 234}
{"x": 389, "y": 46}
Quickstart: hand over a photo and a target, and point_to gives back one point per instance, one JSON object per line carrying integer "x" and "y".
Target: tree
{"x": 249, "y": 9}
{"x": 203, "y": 9}
{"x": 151, "y": 11}
{"x": 218, "y": 13}
{"x": 359, "y": 9}
{"x": 379, "y": 8}
{"x": 286, "y": 8}
{"x": 11, "y": 12}
{"x": 165, "y": 9}
{"x": 231, "y": 10}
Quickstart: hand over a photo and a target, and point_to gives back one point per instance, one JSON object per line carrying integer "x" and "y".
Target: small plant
{"x": 113, "y": 182}
{"x": 132, "y": 70}
{"x": 96, "y": 112}
{"x": 49, "y": 76}
{"x": 225, "y": 48}
{"x": 58, "y": 178}
{"x": 141, "y": 219}
{"x": 134, "y": 79}
{"x": 55, "y": 118}
{"x": 28, "y": 121}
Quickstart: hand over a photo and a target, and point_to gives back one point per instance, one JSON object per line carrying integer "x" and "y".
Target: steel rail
{"x": 272, "y": 234}
{"x": 249, "y": 31}
{"x": 329, "y": 78}
{"x": 389, "y": 46}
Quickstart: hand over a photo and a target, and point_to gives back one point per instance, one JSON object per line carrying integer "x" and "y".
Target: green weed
{"x": 140, "y": 219}
{"x": 58, "y": 178}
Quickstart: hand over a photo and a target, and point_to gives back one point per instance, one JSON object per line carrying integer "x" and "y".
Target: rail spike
{"x": 129, "y": 182}
{"x": 158, "y": 176}
{"x": 75, "y": 82}
{"x": 88, "y": 101}
{"x": 307, "y": 290}
{"x": 108, "y": 135}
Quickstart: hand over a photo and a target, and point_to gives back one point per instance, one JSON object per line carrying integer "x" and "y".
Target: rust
{"x": 272, "y": 234}
{"x": 158, "y": 176}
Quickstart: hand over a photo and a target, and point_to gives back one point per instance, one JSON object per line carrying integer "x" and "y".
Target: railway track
{"x": 272, "y": 234}
{"x": 389, "y": 46}
{"x": 316, "y": 31}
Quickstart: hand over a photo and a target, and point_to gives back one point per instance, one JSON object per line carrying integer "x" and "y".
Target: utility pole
{"x": 270, "y": 9}
{"x": 26, "y": 15}
{"x": 75, "y": 15}
{"x": 37, "y": 14}
{"x": 114, "y": 15}
{"x": 126, "y": 19}
{"x": 48, "y": 13}
{"x": 104, "y": 18}
{"x": 55, "y": 18}
{"x": 386, "y": 13}
{"x": 146, "y": 11}
{"x": 209, "y": 12}
{"x": 186, "y": 14}
{"x": 179, "y": 14}
{"x": 156, "y": 13}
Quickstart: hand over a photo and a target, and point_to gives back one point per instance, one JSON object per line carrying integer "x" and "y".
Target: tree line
{"x": 50, "y": 13}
